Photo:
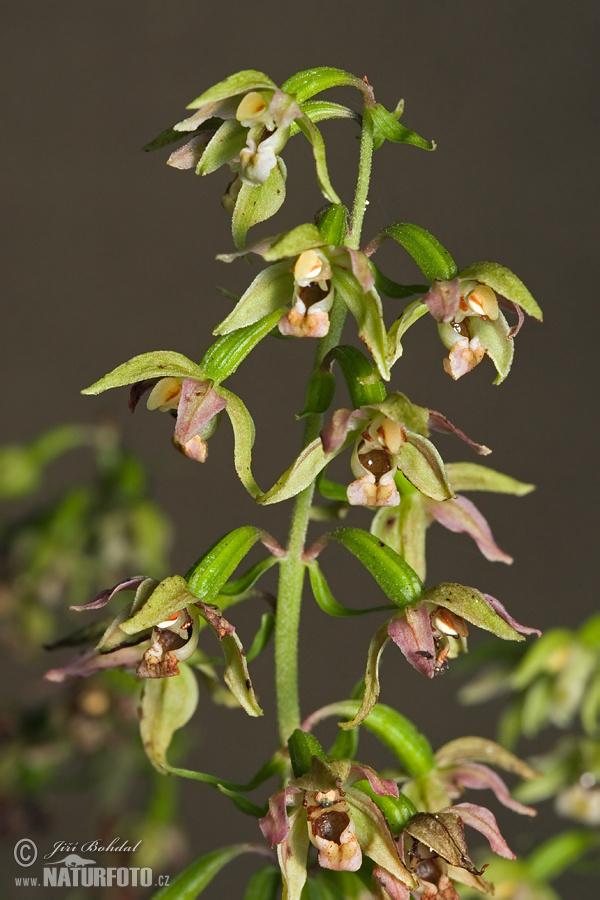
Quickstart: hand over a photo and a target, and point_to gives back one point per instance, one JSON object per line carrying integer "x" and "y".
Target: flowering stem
{"x": 291, "y": 578}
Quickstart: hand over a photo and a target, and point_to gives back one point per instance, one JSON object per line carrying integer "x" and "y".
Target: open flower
{"x": 392, "y": 436}
{"x": 324, "y": 809}
{"x": 470, "y": 321}
{"x": 196, "y": 405}
{"x": 435, "y": 630}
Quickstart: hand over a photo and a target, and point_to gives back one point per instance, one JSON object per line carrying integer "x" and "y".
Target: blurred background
{"x": 108, "y": 253}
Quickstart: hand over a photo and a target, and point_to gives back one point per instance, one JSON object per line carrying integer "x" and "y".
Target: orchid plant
{"x": 332, "y": 825}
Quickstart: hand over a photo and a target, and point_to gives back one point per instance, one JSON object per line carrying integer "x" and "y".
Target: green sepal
{"x": 264, "y": 884}
{"x": 208, "y": 575}
{"x": 158, "y": 364}
{"x": 410, "y": 747}
{"x": 303, "y": 746}
{"x": 332, "y": 223}
{"x": 226, "y": 144}
{"x": 413, "y": 312}
{"x": 366, "y": 309}
{"x": 423, "y": 466}
{"x": 470, "y": 604}
{"x": 261, "y": 638}
{"x": 243, "y": 584}
{"x": 189, "y": 883}
{"x": 498, "y": 345}
{"x": 386, "y": 127}
{"x": 290, "y": 243}
{"x": 331, "y": 490}
{"x": 431, "y": 257}
{"x": 393, "y": 575}
{"x": 398, "y": 811}
{"x": 307, "y": 83}
{"x": 239, "y": 83}
{"x": 266, "y": 293}
{"x": 312, "y": 133}
{"x": 326, "y": 600}
{"x": 361, "y": 376}
{"x": 467, "y": 476}
{"x": 257, "y": 204}
{"x": 243, "y": 436}
{"x": 166, "y": 598}
{"x": 167, "y": 704}
{"x": 504, "y": 282}
{"x": 226, "y": 354}
{"x": 393, "y": 289}
{"x": 171, "y": 135}
{"x": 560, "y": 852}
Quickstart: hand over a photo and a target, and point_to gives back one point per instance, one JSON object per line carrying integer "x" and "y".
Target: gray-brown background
{"x": 108, "y": 253}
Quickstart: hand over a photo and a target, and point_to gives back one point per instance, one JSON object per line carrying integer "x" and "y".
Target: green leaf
{"x": 303, "y": 746}
{"x": 208, "y": 575}
{"x": 270, "y": 289}
{"x": 409, "y": 746}
{"x": 393, "y": 575}
{"x": 411, "y": 314}
{"x": 366, "y": 309}
{"x": 158, "y": 364}
{"x": 466, "y": 476}
{"x": 470, "y": 604}
{"x": 243, "y": 584}
{"x": 362, "y": 378}
{"x": 398, "y": 811}
{"x": 333, "y": 224}
{"x": 431, "y": 257}
{"x": 312, "y": 133}
{"x": 261, "y": 638}
{"x": 240, "y": 83}
{"x": 257, "y": 204}
{"x": 326, "y": 600}
{"x": 166, "y": 705}
{"x": 505, "y": 283}
{"x": 331, "y": 490}
{"x": 264, "y": 884}
{"x": 307, "y": 83}
{"x": 243, "y": 435}
{"x": 387, "y": 128}
{"x": 226, "y": 354}
{"x": 394, "y": 290}
{"x": 320, "y": 110}
{"x": 198, "y": 875}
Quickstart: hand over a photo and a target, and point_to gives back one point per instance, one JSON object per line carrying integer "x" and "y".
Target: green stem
{"x": 292, "y": 568}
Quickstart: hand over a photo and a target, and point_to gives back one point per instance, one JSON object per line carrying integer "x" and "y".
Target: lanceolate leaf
{"x": 264, "y": 884}
{"x": 198, "y": 875}
{"x": 309, "y": 82}
{"x": 394, "y": 576}
{"x": 158, "y": 364}
{"x": 166, "y": 705}
{"x": 431, "y": 257}
{"x": 313, "y": 134}
{"x": 225, "y": 355}
{"x": 326, "y": 600}
{"x": 505, "y": 283}
{"x": 261, "y": 638}
{"x": 256, "y": 204}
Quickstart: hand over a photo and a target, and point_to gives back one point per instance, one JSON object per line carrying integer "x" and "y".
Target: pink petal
{"x": 103, "y": 597}
{"x": 382, "y": 786}
{"x": 479, "y": 777}
{"x": 334, "y": 434}
{"x": 275, "y": 825}
{"x": 484, "y": 821}
{"x": 412, "y": 632}
{"x": 460, "y": 515}
{"x": 438, "y": 422}
{"x": 91, "y": 661}
{"x": 393, "y": 887}
{"x": 499, "y": 608}
{"x": 443, "y": 298}
{"x": 198, "y": 404}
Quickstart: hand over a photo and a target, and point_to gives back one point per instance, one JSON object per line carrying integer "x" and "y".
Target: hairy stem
{"x": 291, "y": 579}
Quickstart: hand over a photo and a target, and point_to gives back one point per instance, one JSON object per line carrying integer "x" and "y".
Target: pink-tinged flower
{"x": 312, "y": 298}
{"x": 393, "y": 436}
{"x": 196, "y": 405}
{"x": 434, "y": 849}
{"x": 435, "y": 630}
{"x": 322, "y": 808}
